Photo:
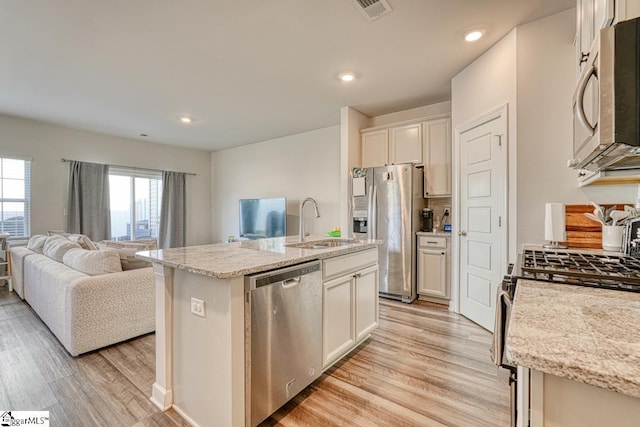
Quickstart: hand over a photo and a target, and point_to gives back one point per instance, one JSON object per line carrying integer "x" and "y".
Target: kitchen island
{"x": 200, "y": 358}
{"x": 582, "y": 346}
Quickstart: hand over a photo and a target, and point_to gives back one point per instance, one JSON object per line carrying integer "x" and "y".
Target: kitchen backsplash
{"x": 438, "y": 205}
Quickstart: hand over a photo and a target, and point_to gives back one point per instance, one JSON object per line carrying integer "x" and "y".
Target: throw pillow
{"x": 56, "y": 246}
{"x": 36, "y": 243}
{"x": 83, "y": 241}
{"x": 57, "y": 233}
{"x": 92, "y": 262}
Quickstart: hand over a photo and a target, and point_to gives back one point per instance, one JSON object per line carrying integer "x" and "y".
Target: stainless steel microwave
{"x": 606, "y": 103}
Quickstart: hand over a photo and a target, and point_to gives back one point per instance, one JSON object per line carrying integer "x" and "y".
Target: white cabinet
{"x": 375, "y": 148}
{"x": 423, "y": 142}
{"x": 338, "y": 330}
{"x": 366, "y": 301}
{"x": 405, "y": 144}
{"x": 592, "y": 16}
{"x": 349, "y": 302}
{"x": 391, "y": 146}
{"x": 437, "y": 157}
{"x": 433, "y": 266}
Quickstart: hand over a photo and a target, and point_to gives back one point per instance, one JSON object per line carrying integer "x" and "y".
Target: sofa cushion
{"x": 127, "y": 251}
{"x": 92, "y": 262}
{"x": 56, "y": 246}
{"x": 36, "y": 243}
{"x": 83, "y": 241}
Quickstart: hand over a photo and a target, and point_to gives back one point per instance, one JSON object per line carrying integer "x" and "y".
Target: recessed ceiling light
{"x": 347, "y": 77}
{"x": 185, "y": 119}
{"x": 473, "y": 35}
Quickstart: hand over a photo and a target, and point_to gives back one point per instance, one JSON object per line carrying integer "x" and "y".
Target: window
{"x": 135, "y": 203}
{"x": 15, "y": 197}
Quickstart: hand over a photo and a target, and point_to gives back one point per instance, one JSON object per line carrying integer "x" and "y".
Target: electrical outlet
{"x": 197, "y": 307}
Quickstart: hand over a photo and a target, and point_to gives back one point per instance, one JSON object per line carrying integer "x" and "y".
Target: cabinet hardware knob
{"x": 462, "y": 233}
{"x": 583, "y": 57}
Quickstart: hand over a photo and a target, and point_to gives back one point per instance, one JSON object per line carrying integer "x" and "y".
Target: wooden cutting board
{"x": 583, "y": 232}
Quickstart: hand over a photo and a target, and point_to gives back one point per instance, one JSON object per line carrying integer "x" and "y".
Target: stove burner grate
{"x": 600, "y": 271}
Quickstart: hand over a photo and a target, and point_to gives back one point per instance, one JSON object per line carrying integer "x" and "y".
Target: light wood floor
{"x": 422, "y": 367}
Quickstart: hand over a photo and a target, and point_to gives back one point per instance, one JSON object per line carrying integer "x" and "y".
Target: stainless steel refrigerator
{"x": 386, "y": 204}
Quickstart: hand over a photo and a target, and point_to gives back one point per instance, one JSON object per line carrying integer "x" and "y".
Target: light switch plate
{"x": 197, "y": 307}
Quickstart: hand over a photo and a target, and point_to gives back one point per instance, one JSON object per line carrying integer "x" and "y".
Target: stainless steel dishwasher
{"x": 283, "y": 317}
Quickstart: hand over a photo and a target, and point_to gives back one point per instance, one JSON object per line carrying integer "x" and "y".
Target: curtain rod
{"x": 134, "y": 168}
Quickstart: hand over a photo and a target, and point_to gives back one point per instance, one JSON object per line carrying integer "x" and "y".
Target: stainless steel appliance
{"x": 427, "y": 219}
{"x": 606, "y": 102}
{"x": 283, "y": 342}
{"x": 389, "y": 209}
{"x": 616, "y": 272}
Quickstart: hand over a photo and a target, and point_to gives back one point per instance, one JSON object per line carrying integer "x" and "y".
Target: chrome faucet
{"x": 315, "y": 205}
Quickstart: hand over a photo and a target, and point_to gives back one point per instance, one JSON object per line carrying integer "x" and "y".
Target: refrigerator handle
{"x": 369, "y": 213}
{"x": 373, "y": 215}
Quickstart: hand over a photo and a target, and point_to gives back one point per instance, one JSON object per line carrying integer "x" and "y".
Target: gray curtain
{"x": 88, "y": 209}
{"x": 173, "y": 211}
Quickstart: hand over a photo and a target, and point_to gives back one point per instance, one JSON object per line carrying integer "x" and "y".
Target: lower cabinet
{"x": 349, "y": 305}
{"x": 433, "y": 261}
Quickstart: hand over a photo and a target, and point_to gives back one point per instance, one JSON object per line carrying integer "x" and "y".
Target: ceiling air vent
{"x": 372, "y": 9}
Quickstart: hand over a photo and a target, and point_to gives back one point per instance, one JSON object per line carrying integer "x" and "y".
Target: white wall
{"x": 487, "y": 83}
{"x": 47, "y": 144}
{"x": 351, "y": 121}
{"x": 295, "y": 167}
{"x": 546, "y": 81}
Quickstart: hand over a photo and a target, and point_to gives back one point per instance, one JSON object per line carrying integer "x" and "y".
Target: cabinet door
{"x": 338, "y": 332}
{"x": 405, "y": 144}
{"x": 432, "y": 273}
{"x": 437, "y": 157}
{"x": 375, "y": 148}
{"x": 366, "y": 301}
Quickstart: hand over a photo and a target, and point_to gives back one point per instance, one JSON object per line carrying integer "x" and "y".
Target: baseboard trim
{"x": 185, "y": 416}
{"x": 161, "y": 397}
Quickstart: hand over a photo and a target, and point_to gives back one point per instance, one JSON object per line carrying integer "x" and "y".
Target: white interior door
{"x": 482, "y": 225}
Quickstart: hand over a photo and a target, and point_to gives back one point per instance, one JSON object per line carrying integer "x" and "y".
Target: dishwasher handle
{"x": 291, "y": 283}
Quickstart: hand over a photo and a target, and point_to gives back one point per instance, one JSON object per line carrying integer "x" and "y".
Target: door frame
{"x": 499, "y": 112}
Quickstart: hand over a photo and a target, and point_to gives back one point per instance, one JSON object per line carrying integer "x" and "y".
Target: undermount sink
{"x": 322, "y": 244}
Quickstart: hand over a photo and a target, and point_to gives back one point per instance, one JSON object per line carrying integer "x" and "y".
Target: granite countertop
{"x": 228, "y": 260}
{"x": 579, "y": 333}
{"x": 437, "y": 233}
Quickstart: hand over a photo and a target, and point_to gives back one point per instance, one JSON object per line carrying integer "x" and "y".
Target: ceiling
{"x": 244, "y": 70}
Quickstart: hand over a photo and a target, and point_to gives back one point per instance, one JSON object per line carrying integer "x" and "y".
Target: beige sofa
{"x": 83, "y": 295}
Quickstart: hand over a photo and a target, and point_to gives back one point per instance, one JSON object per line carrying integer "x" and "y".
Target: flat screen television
{"x": 262, "y": 218}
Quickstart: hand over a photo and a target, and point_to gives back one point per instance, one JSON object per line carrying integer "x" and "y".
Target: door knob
{"x": 462, "y": 233}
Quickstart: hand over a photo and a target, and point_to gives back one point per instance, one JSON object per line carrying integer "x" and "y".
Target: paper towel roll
{"x": 554, "y": 226}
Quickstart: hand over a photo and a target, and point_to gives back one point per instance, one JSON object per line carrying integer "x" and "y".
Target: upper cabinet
{"x": 393, "y": 145}
{"x": 594, "y": 15}
{"x": 437, "y": 157}
{"x": 375, "y": 148}
{"x": 405, "y": 144}
{"x": 423, "y": 142}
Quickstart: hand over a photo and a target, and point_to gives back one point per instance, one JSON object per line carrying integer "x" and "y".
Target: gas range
{"x": 617, "y": 272}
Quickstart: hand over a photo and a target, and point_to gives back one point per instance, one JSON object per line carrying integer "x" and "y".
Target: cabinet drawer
{"x": 345, "y": 264}
{"x": 432, "y": 242}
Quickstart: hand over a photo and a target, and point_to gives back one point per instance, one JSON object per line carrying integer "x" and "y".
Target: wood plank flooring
{"x": 423, "y": 366}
